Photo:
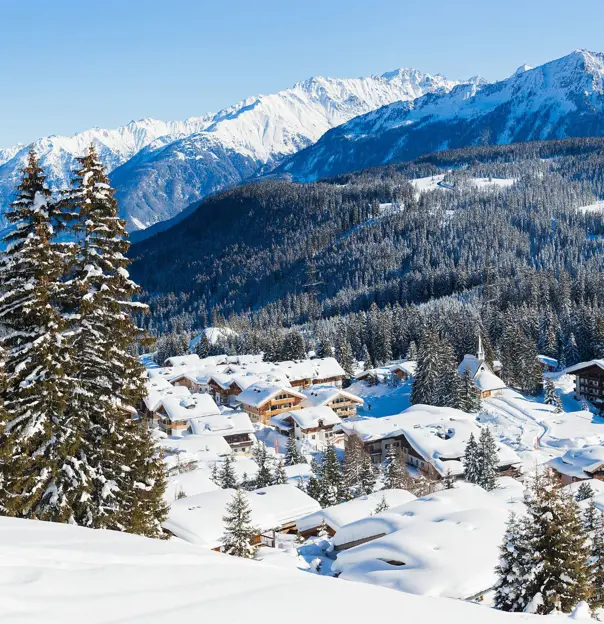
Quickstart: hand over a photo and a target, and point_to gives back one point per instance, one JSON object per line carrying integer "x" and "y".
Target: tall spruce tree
{"x": 292, "y": 455}
{"x": 470, "y": 401}
{"x": 427, "y": 380}
{"x": 330, "y": 482}
{"x": 488, "y": 460}
{"x": 395, "y": 474}
{"x": 239, "y": 533}
{"x": 129, "y": 481}
{"x": 44, "y": 473}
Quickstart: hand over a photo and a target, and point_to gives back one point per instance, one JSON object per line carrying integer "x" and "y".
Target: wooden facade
{"x": 283, "y": 402}
{"x": 589, "y": 384}
{"x": 222, "y": 395}
{"x": 343, "y": 407}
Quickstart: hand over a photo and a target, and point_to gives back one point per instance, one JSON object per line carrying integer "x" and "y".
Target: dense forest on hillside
{"x": 299, "y": 252}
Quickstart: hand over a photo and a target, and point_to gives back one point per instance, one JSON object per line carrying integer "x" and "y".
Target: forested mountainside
{"x": 446, "y": 224}
{"x": 560, "y": 99}
{"x": 159, "y": 168}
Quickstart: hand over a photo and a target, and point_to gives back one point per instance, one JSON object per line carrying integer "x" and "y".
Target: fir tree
{"x": 280, "y": 476}
{"x": 395, "y": 474}
{"x": 382, "y": 505}
{"x": 324, "y": 348}
{"x": 313, "y": 489}
{"x": 228, "y": 478}
{"x": 264, "y": 476}
{"x": 516, "y": 571}
{"x": 488, "y": 460}
{"x": 203, "y": 347}
{"x": 292, "y": 455}
{"x": 323, "y": 529}
{"x": 108, "y": 378}
{"x": 596, "y": 567}
{"x": 45, "y": 473}
{"x": 584, "y": 492}
{"x": 471, "y": 461}
{"x": 331, "y": 486}
{"x": 427, "y": 381}
{"x": 352, "y": 466}
{"x": 550, "y": 392}
{"x": 239, "y": 534}
{"x": 368, "y": 474}
{"x": 470, "y": 401}
{"x": 591, "y": 517}
{"x": 448, "y": 480}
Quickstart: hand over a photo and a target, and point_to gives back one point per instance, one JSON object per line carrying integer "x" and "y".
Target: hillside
{"x": 62, "y": 573}
{"x": 390, "y": 234}
{"x": 560, "y": 99}
{"x": 160, "y": 167}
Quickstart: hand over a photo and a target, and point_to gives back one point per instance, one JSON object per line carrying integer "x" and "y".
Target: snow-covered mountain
{"x": 161, "y": 167}
{"x": 563, "y": 98}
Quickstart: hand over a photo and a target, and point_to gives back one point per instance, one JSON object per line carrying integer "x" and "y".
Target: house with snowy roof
{"x": 404, "y": 370}
{"x": 337, "y": 516}
{"x": 175, "y": 412}
{"x": 156, "y": 389}
{"x": 444, "y": 544}
{"x": 486, "y": 382}
{"x": 234, "y": 427}
{"x": 263, "y": 400}
{"x": 313, "y": 426}
{"x": 580, "y": 464}
{"x": 199, "y": 519}
{"x": 225, "y": 388}
{"x": 304, "y": 373}
{"x": 432, "y": 439}
{"x": 343, "y": 403}
{"x": 589, "y": 381}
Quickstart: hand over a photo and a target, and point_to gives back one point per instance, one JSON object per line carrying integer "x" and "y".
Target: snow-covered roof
{"x": 259, "y": 393}
{"x": 188, "y": 483}
{"x": 231, "y": 423}
{"x": 158, "y": 388}
{"x": 311, "y": 417}
{"x": 409, "y": 367}
{"x": 189, "y": 360}
{"x": 582, "y": 365}
{"x": 326, "y": 368}
{"x": 224, "y": 380}
{"x": 438, "y": 434}
{"x": 126, "y": 578}
{"x": 189, "y": 407}
{"x": 485, "y": 380}
{"x": 548, "y": 361}
{"x": 579, "y": 463}
{"x": 198, "y": 519}
{"x": 323, "y": 394}
{"x": 340, "y": 515}
{"x": 444, "y": 544}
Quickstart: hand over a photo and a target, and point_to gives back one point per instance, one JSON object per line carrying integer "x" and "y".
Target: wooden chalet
{"x": 589, "y": 381}
{"x": 263, "y": 400}
{"x": 314, "y": 425}
{"x": 343, "y": 403}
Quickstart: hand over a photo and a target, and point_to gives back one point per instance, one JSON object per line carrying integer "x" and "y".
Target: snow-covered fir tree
{"x": 368, "y": 474}
{"x": 45, "y": 474}
{"x": 279, "y": 474}
{"x": 108, "y": 378}
{"x": 239, "y": 533}
{"x": 550, "y": 395}
{"x": 228, "y": 478}
{"x": 330, "y": 481}
{"x": 516, "y": 569}
{"x": 596, "y": 567}
{"x": 353, "y": 467}
{"x": 470, "y": 401}
{"x": 292, "y": 455}
{"x": 488, "y": 460}
{"x": 470, "y": 461}
{"x": 584, "y": 491}
{"x": 382, "y": 505}
{"x": 264, "y": 476}
{"x": 395, "y": 475}
{"x": 448, "y": 480}
{"x": 323, "y": 529}
{"x": 426, "y": 383}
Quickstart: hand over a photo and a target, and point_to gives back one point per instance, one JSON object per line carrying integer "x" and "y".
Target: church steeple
{"x": 480, "y": 353}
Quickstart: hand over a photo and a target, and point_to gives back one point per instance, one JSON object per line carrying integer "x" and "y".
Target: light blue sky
{"x": 67, "y": 65}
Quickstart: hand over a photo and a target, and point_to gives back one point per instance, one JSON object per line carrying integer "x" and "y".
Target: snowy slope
{"x": 165, "y": 166}
{"x": 563, "y": 98}
{"x": 58, "y": 573}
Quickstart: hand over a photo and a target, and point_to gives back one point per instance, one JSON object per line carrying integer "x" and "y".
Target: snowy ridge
{"x": 560, "y": 99}
{"x": 165, "y": 166}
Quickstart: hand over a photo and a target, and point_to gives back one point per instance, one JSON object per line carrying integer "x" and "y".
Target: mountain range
{"x": 159, "y": 168}
{"x": 560, "y": 99}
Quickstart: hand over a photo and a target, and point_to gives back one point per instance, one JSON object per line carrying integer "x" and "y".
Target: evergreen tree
{"x": 395, "y": 474}
{"x": 293, "y": 346}
{"x": 352, "y": 466}
{"x": 323, "y": 529}
{"x": 516, "y": 571}
{"x": 591, "y": 517}
{"x": 584, "y": 492}
{"x": 427, "y": 381}
{"x": 45, "y": 474}
{"x": 228, "y": 478}
{"x": 280, "y": 476}
{"x": 239, "y": 534}
{"x": 550, "y": 392}
{"x": 561, "y": 552}
{"x": 344, "y": 353}
{"x": 324, "y": 348}
{"x": 450, "y": 387}
{"x": 488, "y": 460}
{"x": 368, "y": 474}
{"x": 292, "y": 455}
{"x": 596, "y": 567}
{"x": 470, "y": 401}
{"x": 558, "y": 405}
{"x": 448, "y": 480}
{"x": 471, "y": 461}
{"x": 108, "y": 378}
{"x": 203, "y": 346}
{"x": 382, "y": 505}
{"x": 331, "y": 484}
{"x": 264, "y": 476}
{"x": 313, "y": 489}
